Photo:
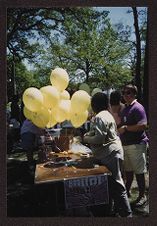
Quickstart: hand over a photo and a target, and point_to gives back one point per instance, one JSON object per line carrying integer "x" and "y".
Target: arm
{"x": 99, "y": 133}
{"x": 132, "y": 128}
{"x": 141, "y": 124}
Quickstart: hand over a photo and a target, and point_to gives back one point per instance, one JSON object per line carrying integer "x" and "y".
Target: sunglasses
{"x": 126, "y": 92}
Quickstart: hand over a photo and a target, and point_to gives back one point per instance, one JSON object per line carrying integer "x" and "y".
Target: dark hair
{"x": 99, "y": 102}
{"x": 115, "y": 97}
{"x": 131, "y": 87}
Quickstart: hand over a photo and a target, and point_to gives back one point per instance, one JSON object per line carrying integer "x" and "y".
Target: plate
{"x": 53, "y": 164}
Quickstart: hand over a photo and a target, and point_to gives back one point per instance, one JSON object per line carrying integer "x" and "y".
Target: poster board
{"x": 86, "y": 191}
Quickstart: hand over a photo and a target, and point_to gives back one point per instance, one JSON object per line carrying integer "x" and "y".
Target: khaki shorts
{"x": 135, "y": 158}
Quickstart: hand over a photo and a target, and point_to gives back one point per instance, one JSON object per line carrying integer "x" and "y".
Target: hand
{"x": 85, "y": 139}
{"x": 86, "y": 134}
{"x": 122, "y": 129}
{"x": 48, "y": 138}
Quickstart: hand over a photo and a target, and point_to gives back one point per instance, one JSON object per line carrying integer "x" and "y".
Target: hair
{"x": 132, "y": 88}
{"x": 99, "y": 102}
{"x": 115, "y": 98}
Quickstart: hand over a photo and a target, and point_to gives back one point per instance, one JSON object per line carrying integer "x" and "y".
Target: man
{"x": 108, "y": 151}
{"x": 134, "y": 140}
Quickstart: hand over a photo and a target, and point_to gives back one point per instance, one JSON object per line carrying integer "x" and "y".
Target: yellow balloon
{"x": 90, "y": 107}
{"x": 59, "y": 78}
{"x": 27, "y": 113}
{"x": 51, "y": 96}
{"x": 32, "y": 99}
{"x": 41, "y": 117}
{"x": 52, "y": 121}
{"x": 78, "y": 119}
{"x": 85, "y": 87}
{"x": 67, "y": 106}
{"x": 62, "y": 110}
{"x": 65, "y": 95}
{"x": 80, "y": 101}
{"x": 96, "y": 90}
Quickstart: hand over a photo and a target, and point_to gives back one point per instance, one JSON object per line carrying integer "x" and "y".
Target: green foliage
{"x": 77, "y": 39}
{"x": 25, "y": 27}
{"x": 23, "y": 77}
{"x": 92, "y": 46}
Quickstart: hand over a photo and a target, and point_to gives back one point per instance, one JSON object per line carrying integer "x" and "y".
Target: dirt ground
{"x": 25, "y": 199}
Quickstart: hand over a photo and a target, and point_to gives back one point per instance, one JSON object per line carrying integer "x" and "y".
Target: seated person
{"x": 29, "y": 139}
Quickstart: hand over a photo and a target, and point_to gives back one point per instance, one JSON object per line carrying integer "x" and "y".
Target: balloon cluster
{"x": 51, "y": 104}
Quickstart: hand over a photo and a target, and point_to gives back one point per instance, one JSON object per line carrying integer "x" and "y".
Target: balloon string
{"x": 50, "y": 117}
{"x": 54, "y": 140}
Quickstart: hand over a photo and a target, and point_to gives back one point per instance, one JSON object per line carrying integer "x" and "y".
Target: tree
{"x": 25, "y": 26}
{"x": 81, "y": 40}
{"x": 23, "y": 78}
{"x": 146, "y": 79}
{"x": 138, "y": 55}
{"x": 26, "y": 29}
{"x": 90, "y": 48}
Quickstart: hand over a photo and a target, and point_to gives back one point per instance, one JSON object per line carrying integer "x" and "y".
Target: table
{"x": 82, "y": 186}
{"x": 46, "y": 175}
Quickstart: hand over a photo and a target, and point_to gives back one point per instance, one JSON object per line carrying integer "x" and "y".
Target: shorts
{"x": 135, "y": 158}
{"x": 28, "y": 141}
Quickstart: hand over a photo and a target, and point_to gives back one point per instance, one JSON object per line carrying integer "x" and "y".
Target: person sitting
{"x": 15, "y": 120}
{"x": 29, "y": 139}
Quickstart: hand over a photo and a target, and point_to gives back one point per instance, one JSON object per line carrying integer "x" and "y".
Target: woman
{"x": 116, "y": 106}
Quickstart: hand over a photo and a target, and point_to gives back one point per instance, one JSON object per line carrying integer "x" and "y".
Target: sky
{"x": 119, "y": 14}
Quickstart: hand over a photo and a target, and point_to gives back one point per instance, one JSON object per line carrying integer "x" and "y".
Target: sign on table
{"x": 86, "y": 191}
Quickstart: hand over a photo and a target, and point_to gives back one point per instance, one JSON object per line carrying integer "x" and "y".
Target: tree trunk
{"x": 13, "y": 76}
{"x": 145, "y": 78}
{"x": 138, "y": 56}
{"x": 87, "y": 70}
